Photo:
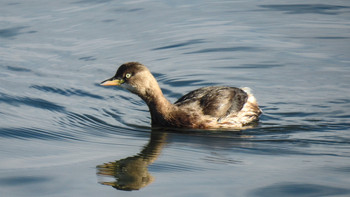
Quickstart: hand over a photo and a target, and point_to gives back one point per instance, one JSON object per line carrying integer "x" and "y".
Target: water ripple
{"x": 22, "y": 180}
{"x": 34, "y": 133}
{"x": 300, "y": 189}
{"x": 88, "y": 58}
{"x": 86, "y": 120}
{"x": 174, "y": 167}
{"x": 258, "y": 66}
{"x": 66, "y": 92}
{"x": 34, "y": 102}
{"x": 225, "y": 49}
{"x": 93, "y": 1}
{"x": 18, "y": 69}
{"x": 11, "y": 32}
{"x": 182, "y": 44}
{"x": 307, "y": 8}
{"x": 90, "y": 125}
{"x": 331, "y": 37}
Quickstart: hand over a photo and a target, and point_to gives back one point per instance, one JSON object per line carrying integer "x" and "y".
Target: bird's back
{"x": 215, "y": 101}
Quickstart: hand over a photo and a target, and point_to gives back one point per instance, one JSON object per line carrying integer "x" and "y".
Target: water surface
{"x": 61, "y": 134}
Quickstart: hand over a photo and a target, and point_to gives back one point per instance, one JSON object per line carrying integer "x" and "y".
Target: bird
{"x": 212, "y": 107}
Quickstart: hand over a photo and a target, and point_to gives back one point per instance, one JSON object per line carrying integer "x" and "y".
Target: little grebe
{"x": 205, "y": 108}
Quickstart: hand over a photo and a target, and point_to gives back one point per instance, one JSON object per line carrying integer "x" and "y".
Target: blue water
{"x": 61, "y": 134}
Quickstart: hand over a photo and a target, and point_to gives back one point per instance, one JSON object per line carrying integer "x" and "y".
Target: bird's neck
{"x": 158, "y": 105}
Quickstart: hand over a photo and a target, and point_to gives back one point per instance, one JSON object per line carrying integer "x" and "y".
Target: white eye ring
{"x": 128, "y": 75}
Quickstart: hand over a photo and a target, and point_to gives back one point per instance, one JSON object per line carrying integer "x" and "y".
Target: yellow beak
{"x": 112, "y": 82}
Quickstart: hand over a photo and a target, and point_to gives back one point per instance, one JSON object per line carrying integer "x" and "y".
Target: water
{"x": 61, "y": 134}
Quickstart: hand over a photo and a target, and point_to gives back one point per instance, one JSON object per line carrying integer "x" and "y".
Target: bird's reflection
{"x": 131, "y": 173}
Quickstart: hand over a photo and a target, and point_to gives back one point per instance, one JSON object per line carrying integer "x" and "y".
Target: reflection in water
{"x": 131, "y": 173}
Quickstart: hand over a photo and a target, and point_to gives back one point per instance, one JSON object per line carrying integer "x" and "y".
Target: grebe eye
{"x": 128, "y": 75}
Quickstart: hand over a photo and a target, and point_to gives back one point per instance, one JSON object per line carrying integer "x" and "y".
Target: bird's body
{"x": 205, "y": 108}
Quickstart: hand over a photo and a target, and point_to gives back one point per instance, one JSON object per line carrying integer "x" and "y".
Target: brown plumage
{"x": 205, "y": 108}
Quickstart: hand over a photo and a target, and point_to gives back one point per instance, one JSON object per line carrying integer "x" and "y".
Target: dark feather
{"x": 216, "y": 101}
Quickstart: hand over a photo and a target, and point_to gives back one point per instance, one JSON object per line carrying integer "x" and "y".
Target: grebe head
{"x": 134, "y": 77}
